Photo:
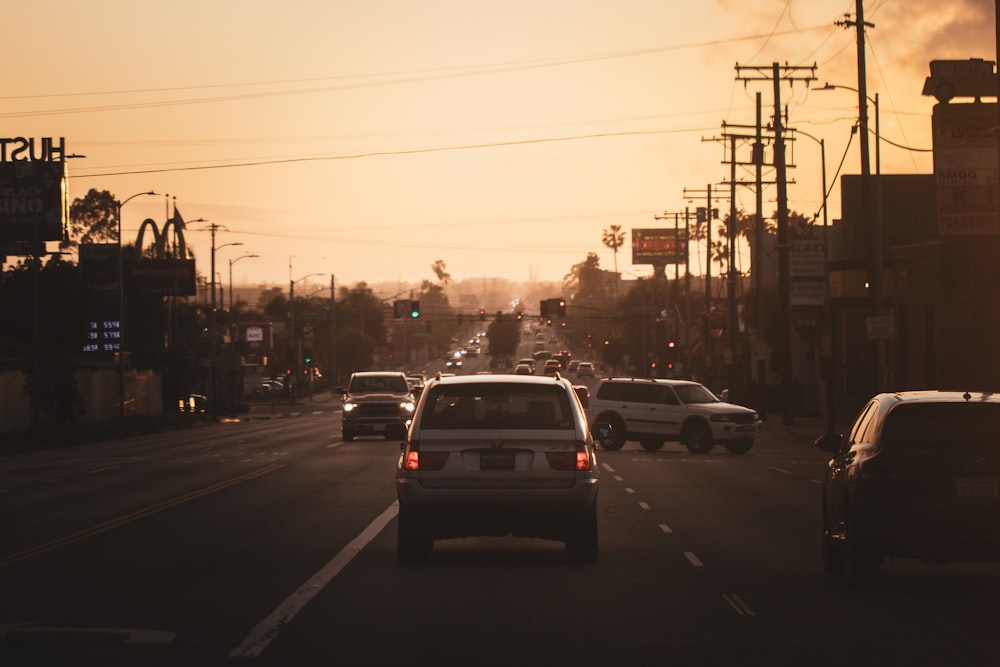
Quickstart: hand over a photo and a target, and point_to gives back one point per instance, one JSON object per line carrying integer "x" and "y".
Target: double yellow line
{"x": 110, "y": 524}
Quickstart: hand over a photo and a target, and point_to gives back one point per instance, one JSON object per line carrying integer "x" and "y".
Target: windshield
{"x": 695, "y": 393}
{"x": 378, "y": 383}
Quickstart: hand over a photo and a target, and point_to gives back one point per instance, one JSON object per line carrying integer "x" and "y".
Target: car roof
{"x": 375, "y": 373}
{"x": 939, "y": 396}
{"x": 666, "y": 381}
{"x": 501, "y": 379}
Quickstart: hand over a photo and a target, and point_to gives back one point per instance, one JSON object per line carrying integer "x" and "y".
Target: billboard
{"x": 32, "y": 201}
{"x": 965, "y": 169}
{"x": 659, "y": 246}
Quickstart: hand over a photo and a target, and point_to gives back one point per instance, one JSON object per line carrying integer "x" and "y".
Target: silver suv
{"x": 495, "y": 455}
{"x": 654, "y": 411}
{"x": 374, "y": 399}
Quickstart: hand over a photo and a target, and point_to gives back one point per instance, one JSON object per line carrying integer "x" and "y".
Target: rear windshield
{"x": 942, "y": 426}
{"x": 497, "y": 406}
{"x": 378, "y": 383}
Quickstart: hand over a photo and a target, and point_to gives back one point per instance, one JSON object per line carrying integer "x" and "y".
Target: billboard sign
{"x": 965, "y": 169}
{"x": 659, "y": 246}
{"x": 32, "y": 201}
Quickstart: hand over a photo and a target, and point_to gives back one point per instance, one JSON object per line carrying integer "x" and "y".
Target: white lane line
{"x": 665, "y": 528}
{"x": 94, "y": 472}
{"x": 53, "y": 481}
{"x": 619, "y": 478}
{"x": 644, "y": 505}
{"x": 816, "y": 481}
{"x": 629, "y": 490}
{"x": 693, "y": 559}
{"x": 267, "y": 630}
{"x": 784, "y": 472}
{"x": 608, "y": 468}
{"x": 738, "y": 605}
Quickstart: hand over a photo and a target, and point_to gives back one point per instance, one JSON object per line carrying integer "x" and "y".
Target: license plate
{"x": 977, "y": 488}
{"x": 496, "y": 460}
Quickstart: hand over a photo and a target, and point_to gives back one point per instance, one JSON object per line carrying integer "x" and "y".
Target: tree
{"x": 571, "y": 281}
{"x": 93, "y": 219}
{"x": 443, "y": 276}
{"x": 614, "y": 238}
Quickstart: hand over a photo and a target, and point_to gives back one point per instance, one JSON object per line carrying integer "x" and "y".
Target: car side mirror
{"x": 829, "y": 442}
{"x": 396, "y": 431}
{"x": 601, "y": 432}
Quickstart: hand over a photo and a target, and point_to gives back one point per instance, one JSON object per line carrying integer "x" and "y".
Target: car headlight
{"x": 349, "y": 407}
{"x": 407, "y": 405}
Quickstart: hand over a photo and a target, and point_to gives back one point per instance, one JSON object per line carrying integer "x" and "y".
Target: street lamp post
{"x": 120, "y": 361}
{"x": 874, "y": 231}
{"x": 292, "y": 338}
{"x": 231, "y": 262}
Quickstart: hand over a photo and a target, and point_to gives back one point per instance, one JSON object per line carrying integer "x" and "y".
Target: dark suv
{"x": 916, "y": 477}
{"x": 373, "y": 399}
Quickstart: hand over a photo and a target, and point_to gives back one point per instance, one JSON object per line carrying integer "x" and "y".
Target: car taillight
{"x": 418, "y": 460}
{"x": 579, "y": 459}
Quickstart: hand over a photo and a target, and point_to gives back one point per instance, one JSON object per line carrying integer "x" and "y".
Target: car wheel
{"x": 581, "y": 547}
{"x": 410, "y": 547}
{"x": 698, "y": 438}
{"x": 739, "y": 446}
{"x": 861, "y": 561}
{"x": 651, "y": 444}
{"x": 618, "y": 433}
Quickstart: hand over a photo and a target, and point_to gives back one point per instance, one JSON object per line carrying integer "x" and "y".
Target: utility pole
{"x": 779, "y": 73}
{"x": 871, "y": 225}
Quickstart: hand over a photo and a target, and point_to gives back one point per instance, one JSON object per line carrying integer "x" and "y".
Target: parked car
{"x": 498, "y": 455}
{"x": 654, "y": 411}
{"x": 916, "y": 477}
{"x": 374, "y": 399}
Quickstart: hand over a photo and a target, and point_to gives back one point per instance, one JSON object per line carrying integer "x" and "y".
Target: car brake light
{"x": 579, "y": 459}
{"x": 417, "y": 460}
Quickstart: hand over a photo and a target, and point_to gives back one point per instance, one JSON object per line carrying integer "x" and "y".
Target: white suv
{"x": 654, "y": 411}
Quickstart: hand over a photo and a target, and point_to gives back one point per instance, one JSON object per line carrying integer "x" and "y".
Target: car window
{"x": 388, "y": 383}
{"x": 612, "y": 391}
{"x": 862, "y": 424}
{"x": 943, "y": 427}
{"x": 695, "y": 393}
{"x": 496, "y": 406}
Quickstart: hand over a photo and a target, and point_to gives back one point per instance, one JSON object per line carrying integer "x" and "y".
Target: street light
{"x": 231, "y": 262}
{"x": 292, "y": 338}
{"x": 120, "y": 361}
{"x": 875, "y": 229}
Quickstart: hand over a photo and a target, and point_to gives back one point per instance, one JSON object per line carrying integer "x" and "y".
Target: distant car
{"x": 523, "y": 369}
{"x": 916, "y": 477}
{"x": 498, "y": 455}
{"x": 193, "y": 403}
{"x": 654, "y": 411}
{"x": 551, "y": 367}
{"x": 416, "y": 382}
{"x": 585, "y": 369}
{"x": 529, "y": 361}
{"x": 571, "y": 366}
{"x": 374, "y": 399}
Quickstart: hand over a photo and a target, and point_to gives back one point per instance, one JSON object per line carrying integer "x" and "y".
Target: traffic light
{"x": 400, "y": 308}
{"x": 561, "y": 305}
{"x": 543, "y": 307}
{"x": 414, "y": 309}
{"x": 482, "y": 314}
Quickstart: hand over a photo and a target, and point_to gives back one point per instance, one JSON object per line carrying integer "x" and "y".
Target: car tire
{"x": 582, "y": 546}
{"x": 618, "y": 434}
{"x": 410, "y": 546}
{"x": 739, "y": 447}
{"x": 697, "y": 438}
{"x": 861, "y": 561}
{"x": 651, "y": 444}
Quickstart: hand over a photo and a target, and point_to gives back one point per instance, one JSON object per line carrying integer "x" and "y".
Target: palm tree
{"x": 614, "y": 238}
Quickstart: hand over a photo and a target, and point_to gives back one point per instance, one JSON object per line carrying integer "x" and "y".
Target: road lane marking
{"x": 665, "y": 528}
{"x": 94, "y": 472}
{"x": 267, "y": 630}
{"x": 644, "y": 505}
{"x": 784, "y": 472}
{"x": 693, "y": 559}
{"x": 738, "y": 605}
{"x": 105, "y": 526}
{"x": 608, "y": 468}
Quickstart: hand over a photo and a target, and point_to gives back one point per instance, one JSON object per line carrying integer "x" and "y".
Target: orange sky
{"x": 369, "y": 138}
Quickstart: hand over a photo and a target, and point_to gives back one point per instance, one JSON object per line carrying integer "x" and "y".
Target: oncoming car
{"x": 374, "y": 399}
{"x": 498, "y": 455}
